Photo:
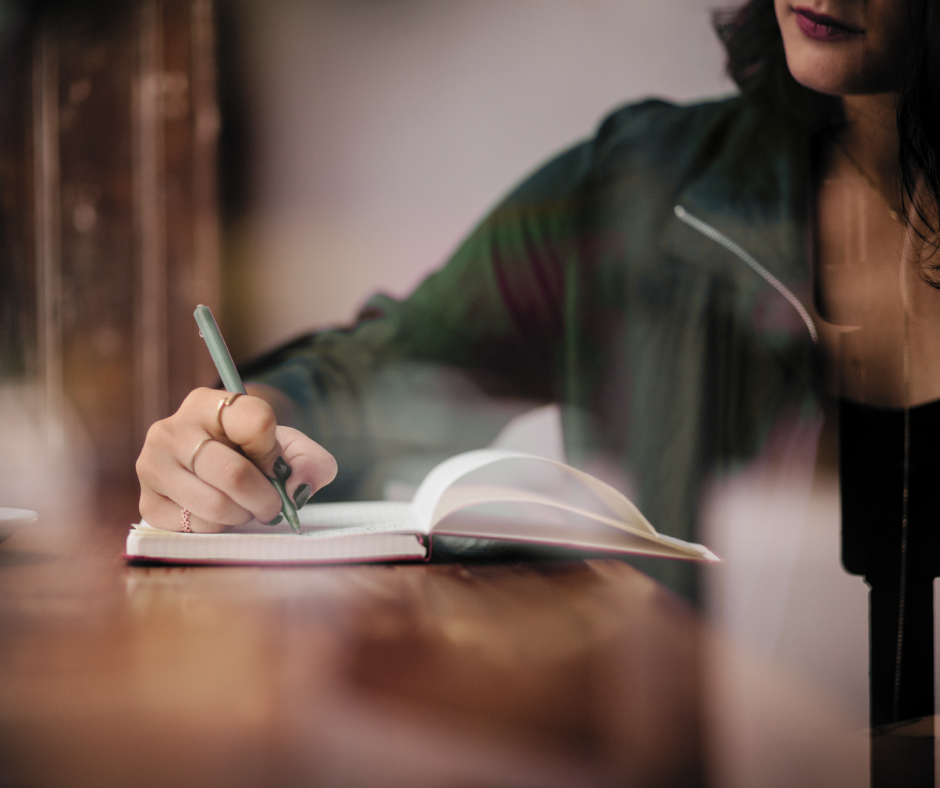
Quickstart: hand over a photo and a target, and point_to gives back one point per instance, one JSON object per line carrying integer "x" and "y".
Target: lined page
{"x": 394, "y": 514}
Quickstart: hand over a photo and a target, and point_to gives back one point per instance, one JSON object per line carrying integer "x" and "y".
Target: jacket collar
{"x": 756, "y": 189}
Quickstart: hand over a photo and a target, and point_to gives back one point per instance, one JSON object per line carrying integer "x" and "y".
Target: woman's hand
{"x": 189, "y": 461}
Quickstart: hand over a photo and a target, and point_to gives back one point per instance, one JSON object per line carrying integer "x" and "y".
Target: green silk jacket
{"x": 654, "y": 281}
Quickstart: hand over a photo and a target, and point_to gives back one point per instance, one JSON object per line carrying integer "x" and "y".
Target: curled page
{"x": 431, "y": 505}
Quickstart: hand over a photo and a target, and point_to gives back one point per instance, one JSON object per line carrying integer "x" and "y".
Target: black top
{"x": 871, "y": 455}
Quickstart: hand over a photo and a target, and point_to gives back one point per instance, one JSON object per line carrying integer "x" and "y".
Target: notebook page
{"x": 429, "y": 494}
{"x": 589, "y": 530}
{"x": 462, "y": 496}
{"x": 394, "y": 515}
{"x": 586, "y": 535}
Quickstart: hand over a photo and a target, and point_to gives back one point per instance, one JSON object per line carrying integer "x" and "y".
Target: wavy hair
{"x": 757, "y": 63}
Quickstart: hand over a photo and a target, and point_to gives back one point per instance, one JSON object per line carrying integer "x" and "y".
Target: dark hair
{"x": 919, "y": 115}
{"x": 757, "y": 63}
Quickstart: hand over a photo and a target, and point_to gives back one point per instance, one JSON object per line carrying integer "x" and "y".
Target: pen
{"x": 209, "y": 331}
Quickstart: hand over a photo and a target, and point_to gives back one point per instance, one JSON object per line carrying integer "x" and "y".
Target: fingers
{"x": 192, "y": 460}
{"x": 188, "y": 461}
{"x": 234, "y": 420}
{"x": 283, "y": 452}
{"x": 311, "y": 465}
{"x": 219, "y": 469}
{"x": 226, "y": 488}
{"x": 161, "y": 512}
{"x": 250, "y": 423}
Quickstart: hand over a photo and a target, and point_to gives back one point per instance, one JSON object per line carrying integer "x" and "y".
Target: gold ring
{"x": 192, "y": 459}
{"x": 223, "y": 404}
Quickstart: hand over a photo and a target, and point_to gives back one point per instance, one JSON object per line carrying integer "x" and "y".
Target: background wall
{"x": 382, "y": 130}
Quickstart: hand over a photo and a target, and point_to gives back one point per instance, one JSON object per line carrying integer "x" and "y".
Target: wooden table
{"x": 574, "y": 673}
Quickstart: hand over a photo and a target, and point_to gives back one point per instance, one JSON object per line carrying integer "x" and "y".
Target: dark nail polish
{"x": 282, "y": 470}
{"x": 302, "y": 495}
{"x": 276, "y": 520}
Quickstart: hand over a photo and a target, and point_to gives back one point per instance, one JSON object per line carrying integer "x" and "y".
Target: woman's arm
{"x": 410, "y": 384}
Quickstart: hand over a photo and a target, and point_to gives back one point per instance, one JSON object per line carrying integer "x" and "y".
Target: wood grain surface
{"x": 519, "y": 674}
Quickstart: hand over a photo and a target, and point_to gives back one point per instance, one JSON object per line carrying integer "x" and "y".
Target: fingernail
{"x": 276, "y": 520}
{"x": 282, "y": 470}
{"x": 302, "y": 495}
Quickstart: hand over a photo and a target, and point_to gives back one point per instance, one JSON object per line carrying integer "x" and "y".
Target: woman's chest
{"x": 879, "y": 318}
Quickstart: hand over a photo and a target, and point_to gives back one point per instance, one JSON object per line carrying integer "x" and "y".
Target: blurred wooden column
{"x": 125, "y": 222}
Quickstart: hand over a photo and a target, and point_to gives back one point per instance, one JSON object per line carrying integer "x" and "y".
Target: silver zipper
{"x": 723, "y": 240}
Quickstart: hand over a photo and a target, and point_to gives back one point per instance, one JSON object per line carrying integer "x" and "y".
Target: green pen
{"x": 209, "y": 331}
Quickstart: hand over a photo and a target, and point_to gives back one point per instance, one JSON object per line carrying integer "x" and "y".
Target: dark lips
{"x": 821, "y": 27}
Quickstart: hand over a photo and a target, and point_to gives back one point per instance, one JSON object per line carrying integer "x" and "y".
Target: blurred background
{"x": 380, "y": 131}
{"x": 278, "y": 160}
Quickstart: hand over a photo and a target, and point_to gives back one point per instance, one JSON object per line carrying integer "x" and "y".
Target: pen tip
{"x": 295, "y": 521}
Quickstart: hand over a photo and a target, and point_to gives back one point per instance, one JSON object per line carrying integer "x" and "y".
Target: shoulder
{"x": 645, "y": 121}
{"x": 681, "y": 140}
{"x": 668, "y": 141}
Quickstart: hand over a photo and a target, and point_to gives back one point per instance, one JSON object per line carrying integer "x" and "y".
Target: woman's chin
{"x": 837, "y": 80}
{"x": 826, "y": 87}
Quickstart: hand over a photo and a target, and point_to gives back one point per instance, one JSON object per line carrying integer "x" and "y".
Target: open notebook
{"x": 549, "y": 504}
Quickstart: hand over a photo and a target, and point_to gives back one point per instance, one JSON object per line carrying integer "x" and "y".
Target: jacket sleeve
{"x": 414, "y": 381}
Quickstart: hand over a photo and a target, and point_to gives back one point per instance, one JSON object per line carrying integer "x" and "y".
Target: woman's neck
{"x": 871, "y": 138}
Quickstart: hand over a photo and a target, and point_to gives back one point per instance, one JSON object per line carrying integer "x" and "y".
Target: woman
{"x": 685, "y": 285}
